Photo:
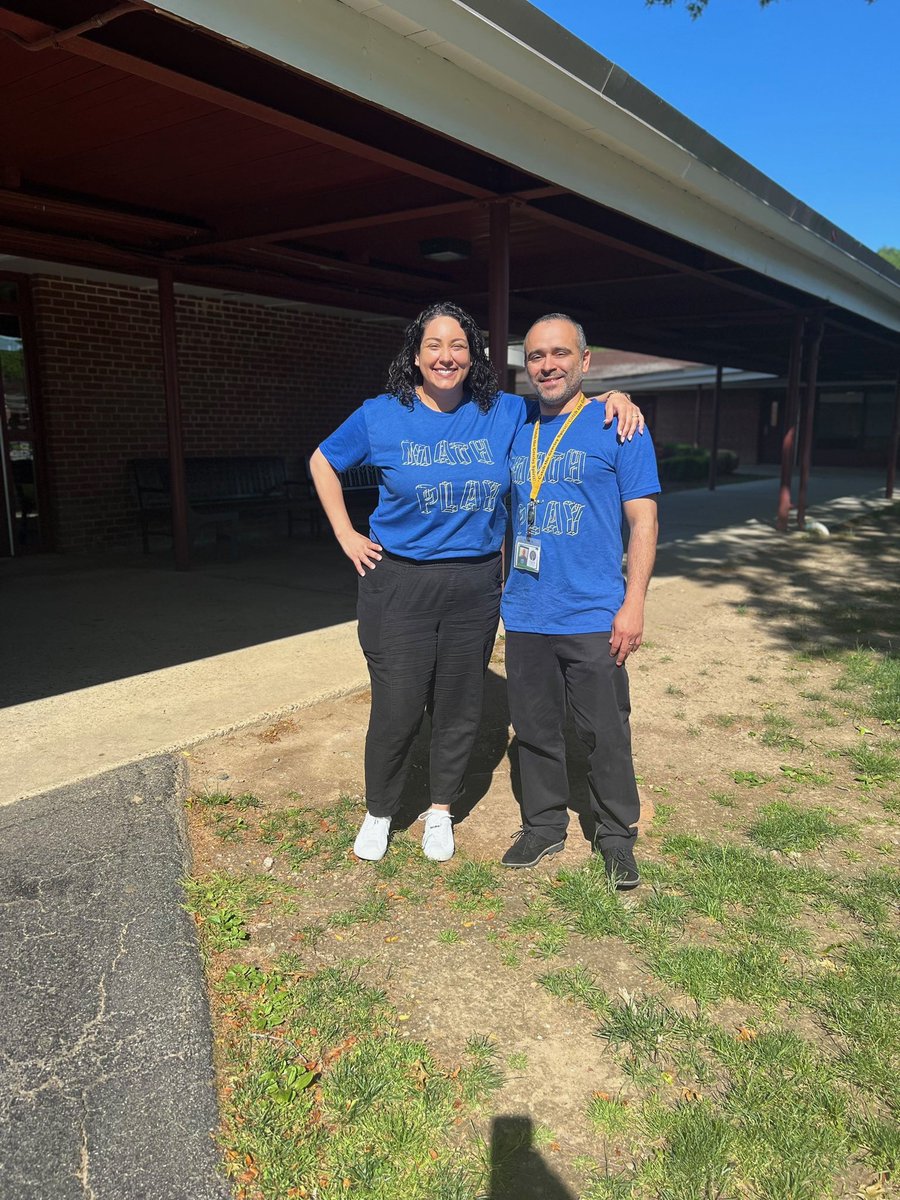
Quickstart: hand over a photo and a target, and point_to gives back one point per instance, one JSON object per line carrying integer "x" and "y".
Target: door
{"x": 21, "y": 527}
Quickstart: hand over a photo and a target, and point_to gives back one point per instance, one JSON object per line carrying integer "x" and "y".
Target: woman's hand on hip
{"x": 361, "y": 551}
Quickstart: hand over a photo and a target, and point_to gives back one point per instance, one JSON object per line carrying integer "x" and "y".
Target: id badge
{"x": 527, "y": 555}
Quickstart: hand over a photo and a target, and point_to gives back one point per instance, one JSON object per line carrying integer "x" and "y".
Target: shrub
{"x": 693, "y": 463}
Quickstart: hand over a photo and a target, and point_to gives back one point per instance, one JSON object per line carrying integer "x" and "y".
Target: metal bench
{"x": 220, "y": 491}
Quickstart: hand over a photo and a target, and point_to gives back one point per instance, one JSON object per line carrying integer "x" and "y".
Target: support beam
{"x": 714, "y": 450}
{"x": 809, "y": 415}
{"x": 177, "y": 483}
{"x": 789, "y": 437}
{"x": 894, "y": 443}
{"x": 498, "y": 306}
{"x": 698, "y": 410}
{"x": 263, "y": 111}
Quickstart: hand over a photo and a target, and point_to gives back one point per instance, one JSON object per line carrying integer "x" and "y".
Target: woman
{"x": 430, "y": 569}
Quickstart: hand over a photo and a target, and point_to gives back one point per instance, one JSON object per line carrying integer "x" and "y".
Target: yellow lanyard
{"x": 537, "y": 476}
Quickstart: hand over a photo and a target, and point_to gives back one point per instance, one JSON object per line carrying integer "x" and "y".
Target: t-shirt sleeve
{"x": 636, "y": 471}
{"x": 349, "y": 445}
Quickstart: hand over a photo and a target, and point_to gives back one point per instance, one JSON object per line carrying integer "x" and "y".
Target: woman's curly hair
{"x": 404, "y": 376}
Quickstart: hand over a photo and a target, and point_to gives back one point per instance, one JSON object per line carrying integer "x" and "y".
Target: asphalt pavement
{"x": 106, "y": 1076}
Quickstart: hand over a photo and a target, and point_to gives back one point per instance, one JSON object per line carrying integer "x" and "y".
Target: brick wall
{"x": 254, "y": 380}
{"x": 675, "y": 420}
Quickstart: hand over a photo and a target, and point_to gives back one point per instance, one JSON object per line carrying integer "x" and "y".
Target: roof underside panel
{"x": 151, "y": 142}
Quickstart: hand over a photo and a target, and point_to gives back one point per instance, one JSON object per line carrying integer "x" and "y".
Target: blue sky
{"x": 806, "y": 90}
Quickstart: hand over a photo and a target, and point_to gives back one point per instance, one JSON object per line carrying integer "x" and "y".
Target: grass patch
{"x": 878, "y": 675}
{"x": 369, "y": 911}
{"x": 805, "y": 774}
{"x": 546, "y": 935}
{"x": 590, "y": 903}
{"x": 779, "y": 732}
{"x": 874, "y": 766}
{"x": 784, "y": 826}
{"x": 223, "y": 904}
{"x": 336, "y": 1102}
{"x": 474, "y": 885}
{"x": 576, "y": 983}
{"x": 300, "y": 835}
{"x": 750, "y": 778}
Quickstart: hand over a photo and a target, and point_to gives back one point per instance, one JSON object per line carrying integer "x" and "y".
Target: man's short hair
{"x": 579, "y": 331}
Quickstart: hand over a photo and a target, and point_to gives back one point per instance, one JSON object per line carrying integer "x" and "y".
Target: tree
{"x": 697, "y": 7}
{"x": 892, "y": 254}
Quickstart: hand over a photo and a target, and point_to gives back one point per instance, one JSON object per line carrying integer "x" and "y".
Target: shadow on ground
{"x": 518, "y": 1172}
{"x": 74, "y": 622}
{"x": 834, "y": 601}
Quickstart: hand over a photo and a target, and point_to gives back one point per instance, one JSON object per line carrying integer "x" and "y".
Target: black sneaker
{"x": 529, "y": 848}
{"x": 621, "y": 869}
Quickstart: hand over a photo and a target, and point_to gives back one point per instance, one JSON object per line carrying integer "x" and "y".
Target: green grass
{"x": 576, "y": 983}
{"x": 724, "y": 720}
{"x": 223, "y": 904}
{"x": 589, "y": 903}
{"x": 778, "y": 731}
{"x": 750, "y": 778}
{"x": 546, "y": 935}
{"x": 336, "y": 1102}
{"x": 805, "y": 774}
{"x": 475, "y": 885}
{"x": 784, "y": 826}
{"x": 367, "y": 912}
{"x": 874, "y": 766}
{"x": 878, "y": 677}
{"x": 300, "y": 835}
{"x": 610, "y": 1116}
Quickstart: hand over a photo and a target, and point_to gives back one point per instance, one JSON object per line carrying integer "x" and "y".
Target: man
{"x": 571, "y": 621}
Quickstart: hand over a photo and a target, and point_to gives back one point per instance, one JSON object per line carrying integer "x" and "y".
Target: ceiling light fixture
{"x": 445, "y": 249}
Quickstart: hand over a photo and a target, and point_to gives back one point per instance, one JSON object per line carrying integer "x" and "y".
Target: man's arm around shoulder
{"x": 628, "y": 625}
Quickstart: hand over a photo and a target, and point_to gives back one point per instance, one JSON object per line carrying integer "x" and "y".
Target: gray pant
{"x": 545, "y": 673}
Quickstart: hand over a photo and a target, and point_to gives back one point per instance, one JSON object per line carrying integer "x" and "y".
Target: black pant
{"x": 545, "y": 671}
{"x": 427, "y": 631}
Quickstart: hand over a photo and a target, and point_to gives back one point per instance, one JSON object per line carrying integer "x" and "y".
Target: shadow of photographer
{"x": 518, "y": 1172}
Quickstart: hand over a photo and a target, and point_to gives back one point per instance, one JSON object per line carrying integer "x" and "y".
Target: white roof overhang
{"x": 564, "y": 113}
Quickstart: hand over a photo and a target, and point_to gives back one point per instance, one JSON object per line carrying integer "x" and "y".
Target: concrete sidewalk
{"x": 121, "y": 658}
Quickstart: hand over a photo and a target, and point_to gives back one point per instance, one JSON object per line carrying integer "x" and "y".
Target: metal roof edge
{"x": 411, "y": 56}
{"x": 533, "y": 28}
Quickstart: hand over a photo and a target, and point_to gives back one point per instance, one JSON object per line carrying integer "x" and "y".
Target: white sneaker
{"x": 372, "y": 839}
{"x": 437, "y": 838}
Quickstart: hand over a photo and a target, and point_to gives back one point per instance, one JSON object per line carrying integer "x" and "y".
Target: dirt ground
{"x": 723, "y": 648}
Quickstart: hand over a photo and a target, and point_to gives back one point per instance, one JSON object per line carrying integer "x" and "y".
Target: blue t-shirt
{"x": 580, "y": 586}
{"x": 444, "y": 476}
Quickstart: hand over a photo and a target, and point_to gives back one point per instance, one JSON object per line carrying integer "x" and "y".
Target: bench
{"x": 360, "y": 486}
{"x": 219, "y": 492}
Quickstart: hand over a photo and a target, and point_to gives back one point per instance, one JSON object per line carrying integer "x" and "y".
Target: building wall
{"x": 674, "y": 420}
{"x": 254, "y": 379}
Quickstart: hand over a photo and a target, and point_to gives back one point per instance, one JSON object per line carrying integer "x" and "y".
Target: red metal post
{"x": 177, "y": 485}
{"x": 714, "y": 451}
{"x": 790, "y": 425}
{"x": 809, "y": 415}
{"x": 498, "y": 306}
{"x": 698, "y": 409}
{"x": 894, "y": 444}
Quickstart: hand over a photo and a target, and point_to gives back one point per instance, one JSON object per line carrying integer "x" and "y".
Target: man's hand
{"x": 361, "y": 551}
{"x": 627, "y": 631}
{"x": 631, "y": 419}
